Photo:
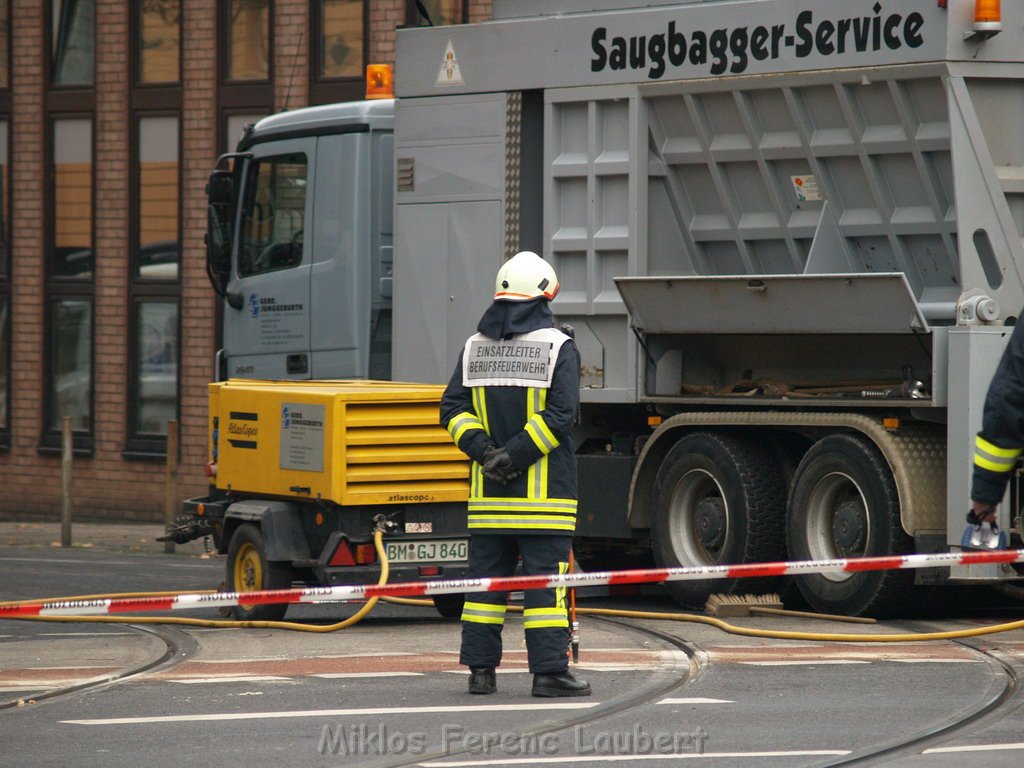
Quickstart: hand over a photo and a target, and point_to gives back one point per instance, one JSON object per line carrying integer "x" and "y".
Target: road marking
{"x": 342, "y": 675}
{"x": 24, "y": 688}
{"x": 624, "y": 758}
{"x": 802, "y": 662}
{"x": 973, "y": 748}
{"x": 229, "y": 679}
{"x": 695, "y": 701}
{"x": 205, "y": 718}
{"x": 935, "y": 661}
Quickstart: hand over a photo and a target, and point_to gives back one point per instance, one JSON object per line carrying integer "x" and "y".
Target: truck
{"x": 789, "y": 239}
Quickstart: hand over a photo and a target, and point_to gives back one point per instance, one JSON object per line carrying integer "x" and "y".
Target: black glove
{"x": 497, "y": 465}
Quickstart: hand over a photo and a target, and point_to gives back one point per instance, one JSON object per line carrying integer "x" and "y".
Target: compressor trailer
{"x": 789, "y": 241}
{"x": 304, "y": 472}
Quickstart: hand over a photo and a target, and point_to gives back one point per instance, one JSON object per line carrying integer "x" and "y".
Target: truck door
{"x": 268, "y": 337}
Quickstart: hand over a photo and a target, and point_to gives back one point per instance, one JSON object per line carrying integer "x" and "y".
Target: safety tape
{"x": 186, "y": 601}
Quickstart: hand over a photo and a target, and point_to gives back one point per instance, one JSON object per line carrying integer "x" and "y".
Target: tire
{"x": 719, "y": 500}
{"x": 844, "y": 504}
{"x": 248, "y": 570}
{"x": 449, "y": 606}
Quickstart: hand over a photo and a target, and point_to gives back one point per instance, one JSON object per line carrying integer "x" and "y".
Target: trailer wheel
{"x": 449, "y": 606}
{"x": 844, "y": 504}
{"x": 719, "y": 500}
{"x": 249, "y": 570}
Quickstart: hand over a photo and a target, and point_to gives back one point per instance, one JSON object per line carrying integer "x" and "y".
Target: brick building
{"x": 112, "y": 113}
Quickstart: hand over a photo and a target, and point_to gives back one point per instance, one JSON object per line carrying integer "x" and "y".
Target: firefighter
{"x": 1001, "y": 440}
{"x": 510, "y": 406}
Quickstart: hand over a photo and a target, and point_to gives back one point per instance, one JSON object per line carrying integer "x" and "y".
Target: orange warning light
{"x": 987, "y": 11}
{"x": 379, "y": 82}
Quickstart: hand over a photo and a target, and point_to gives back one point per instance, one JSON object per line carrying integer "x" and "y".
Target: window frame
{"x": 6, "y": 295}
{"x": 51, "y": 70}
{"x": 61, "y": 288}
{"x": 148, "y": 445}
{"x": 326, "y": 90}
{"x": 135, "y": 56}
{"x": 412, "y": 17}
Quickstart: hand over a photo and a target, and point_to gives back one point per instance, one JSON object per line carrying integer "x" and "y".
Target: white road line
{"x": 802, "y": 662}
{"x": 196, "y": 718}
{"x": 695, "y": 701}
{"x": 624, "y": 758}
{"x": 342, "y": 675}
{"x": 22, "y": 689}
{"x": 935, "y": 661}
{"x": 973, "y": 748}
{"x": 229, "y": 679}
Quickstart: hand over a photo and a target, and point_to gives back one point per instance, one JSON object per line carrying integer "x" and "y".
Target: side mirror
{"x": 220, "y": 192}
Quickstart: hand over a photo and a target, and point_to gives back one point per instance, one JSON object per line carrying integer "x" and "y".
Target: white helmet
{"x": 524, "y": 277}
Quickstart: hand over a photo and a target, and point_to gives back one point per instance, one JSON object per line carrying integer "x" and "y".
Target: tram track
{"x": 661, "y": 684}
{"x": 178, "y": 647}
{"x": 1003, "y": 696}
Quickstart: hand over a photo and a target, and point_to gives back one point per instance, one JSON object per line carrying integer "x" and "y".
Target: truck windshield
{"x": 273, "y": 214}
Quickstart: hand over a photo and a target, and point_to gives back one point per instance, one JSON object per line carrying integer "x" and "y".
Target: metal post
{"x": 66, "y": 454}
{"x": 171, "y": 498}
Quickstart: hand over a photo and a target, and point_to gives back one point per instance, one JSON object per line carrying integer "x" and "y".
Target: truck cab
{"x": 306, "y": 209}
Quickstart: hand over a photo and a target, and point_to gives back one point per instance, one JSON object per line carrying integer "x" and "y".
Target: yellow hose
{"x": 384, "y": 569}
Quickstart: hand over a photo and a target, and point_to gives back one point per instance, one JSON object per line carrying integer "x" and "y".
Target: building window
{"x": 71, "y": 254}
{"x": 248, "y": 28}
{"x": 69, "y": 283}
{"x": 70, "y": 349}
{"x": 339, "y": 50}
{"x": 73, "y": 28}
{"x": 157, "y": 247}
{"x": 5, "y": 44}
{"x": 155, "y": 290}
{"x": 5, "y": 288}
{"x": 436, "y": 13}
{"x": 155, "y": 369}
{"x": 159, "y": 41}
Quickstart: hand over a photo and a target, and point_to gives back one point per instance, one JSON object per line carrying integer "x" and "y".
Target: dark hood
{"x": 504, "y": 318}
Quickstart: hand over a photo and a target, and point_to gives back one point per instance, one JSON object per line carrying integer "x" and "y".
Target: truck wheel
{"x": 719, "y": 500}
{"x": 844, "y": 504}
{"x": 449, "y": 606}
{"x": 249, "y": 570}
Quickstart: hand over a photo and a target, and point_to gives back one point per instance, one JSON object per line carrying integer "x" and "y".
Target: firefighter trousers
{"x": 545, "y": 616}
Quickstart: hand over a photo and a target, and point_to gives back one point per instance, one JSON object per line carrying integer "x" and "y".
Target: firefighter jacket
{"x": 516, "y": 385}
{"x": 1001, "y": 440}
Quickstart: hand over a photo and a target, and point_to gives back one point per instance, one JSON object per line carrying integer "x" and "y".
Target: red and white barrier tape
{"x": 427, "y": 588}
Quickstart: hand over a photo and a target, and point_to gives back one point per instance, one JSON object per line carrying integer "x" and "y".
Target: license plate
{"x": 447, "y": 551}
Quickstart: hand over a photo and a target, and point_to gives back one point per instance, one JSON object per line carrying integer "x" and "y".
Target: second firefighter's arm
{"x": 1001, "y": 440}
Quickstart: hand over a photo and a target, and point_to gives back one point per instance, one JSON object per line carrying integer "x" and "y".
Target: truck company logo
{"x": 259, "y": 305}
{"x": 731, "y": 49}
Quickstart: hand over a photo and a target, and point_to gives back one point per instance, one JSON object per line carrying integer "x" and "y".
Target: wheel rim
{"x": 699, "y": 518}
{"x": 248, "y": 571}
{"x": 838, "y": 524}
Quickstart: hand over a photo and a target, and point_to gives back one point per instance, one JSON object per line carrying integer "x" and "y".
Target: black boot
{"x": 482, "y": 681}
{"x": 563, "y": 684}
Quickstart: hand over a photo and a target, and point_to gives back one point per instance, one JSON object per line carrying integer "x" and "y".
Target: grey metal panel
{"x": 806, "y": 173}
{"x": 340, "y": 280}
{"x": 772, "y": 304}
{"x": 451, "y": 253}
{"x": 559, "y": 51}
{"x": 421, "y": 309}
{"x": 974, "y": 353}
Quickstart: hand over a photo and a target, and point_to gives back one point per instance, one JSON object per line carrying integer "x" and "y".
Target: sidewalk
{"x": 104, "y": 537}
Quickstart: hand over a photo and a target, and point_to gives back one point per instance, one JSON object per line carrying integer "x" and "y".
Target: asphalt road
{"x": 389, "y": 690}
